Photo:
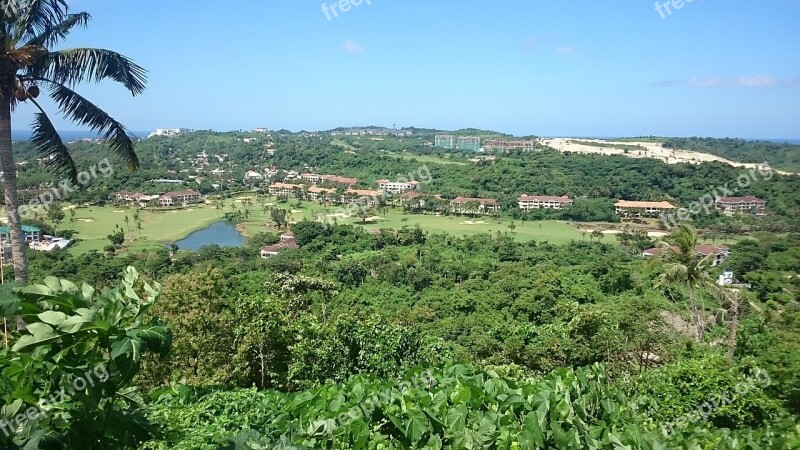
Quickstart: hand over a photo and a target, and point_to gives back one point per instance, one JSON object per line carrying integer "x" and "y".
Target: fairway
{"x": 93, "y": 224}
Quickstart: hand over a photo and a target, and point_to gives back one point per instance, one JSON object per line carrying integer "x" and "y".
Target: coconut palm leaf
{"x": 34, "y": 16}
{"x": 77, "y": 108}
{"x": 50, "y": 146}
{"x": 55, "y": 33}
{"x": 77, "y": 65}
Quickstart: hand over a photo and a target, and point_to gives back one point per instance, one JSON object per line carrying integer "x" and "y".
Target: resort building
{"x": 531, "y": 202}
{"x": 393, "y": 187}
{"x": 286, "y": 190}
{"x": 445, "y": 141}
{"x": 252, "y": 175}
{"x": 469, "y": 143}
{"x": 362, "y": 197}
{"x": 180, "y": 198}
{"x": 318, "y": 193}
{"x": 287, "y": 242}
{"x": 627, "y": 208}
{"x": 720, "y": 252}
{"x": 312, "y": 177}
{"x": 337, "y": 180}
{"x": 737, "y": 205}
{"x": 493, "y": 145}
{"x": 29, "y": 233}
{"x": 467, "y": 205}
{"x": 134, "y": 198}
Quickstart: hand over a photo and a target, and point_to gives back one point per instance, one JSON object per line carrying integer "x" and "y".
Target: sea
{"x": 68, "y": 135}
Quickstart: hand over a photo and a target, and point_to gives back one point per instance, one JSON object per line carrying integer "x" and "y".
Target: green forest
{"x": 406, "y": 340}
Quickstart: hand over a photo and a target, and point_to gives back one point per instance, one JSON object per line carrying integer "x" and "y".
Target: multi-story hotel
{"x": 627, "y": 208}
{"x": 531, "y": 202}
{"x": 736, "y": 205}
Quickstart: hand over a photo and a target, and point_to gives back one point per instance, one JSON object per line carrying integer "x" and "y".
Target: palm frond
{"x": 78, "y": 108}
{"x": 35, "y": 16}
{"x": 54, "y": 33}
{"x": 73, "y": 66}
{"x": 50, "y": 146}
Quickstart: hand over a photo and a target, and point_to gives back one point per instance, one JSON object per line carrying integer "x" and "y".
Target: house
{"x": 134, "y": 198}
{"x": 287, "y": 241}
{"x": 468, "y": 205}
{"x": 180, "y": 198}
{"x": 397, "y": 187}
{"x": 642, "y": 209}
{"x": 720, "y": 252}
{"x": 252, "y": 175}
{"x": 530, "y": 202}
{"x": 736, "y": 205}
{"x": 218, "y": 172}
{"x": 312, "y": 177}
{"x": 318, "y": 193}
{"x": 286, "y": 190}
{"x": 29, "y": 233}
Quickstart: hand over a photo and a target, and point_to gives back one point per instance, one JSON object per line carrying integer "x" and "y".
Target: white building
{"x": 395, "y": 187}
{"x": 530, "y": 202}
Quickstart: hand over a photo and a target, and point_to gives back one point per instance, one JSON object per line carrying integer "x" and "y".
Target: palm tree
{"x": 682, "y": 265}
{"x": 28, "y": 33}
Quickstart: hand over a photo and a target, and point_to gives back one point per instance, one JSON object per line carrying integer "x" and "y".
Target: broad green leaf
{"x": 54, "y": 318}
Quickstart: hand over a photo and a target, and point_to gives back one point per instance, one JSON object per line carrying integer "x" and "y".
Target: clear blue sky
{"x": 551, "y": 68}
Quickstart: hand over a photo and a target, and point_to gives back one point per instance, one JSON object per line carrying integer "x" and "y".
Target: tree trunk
{"x": 734, "y": 326}
{"x": 697, "y": 320}
{"x": 9, "y": 170}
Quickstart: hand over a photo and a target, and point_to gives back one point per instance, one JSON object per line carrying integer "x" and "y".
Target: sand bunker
{"x": 657, "y": 234}
{"x": 119, "y": 211}
{"x": 87, "y": 220}
{"x": 295, "y": 211}
{"x": 473, "y": 222}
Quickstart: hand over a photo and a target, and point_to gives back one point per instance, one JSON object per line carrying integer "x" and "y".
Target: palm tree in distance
{"x": 29, "y": 31}
{"x": 683, "y": 266}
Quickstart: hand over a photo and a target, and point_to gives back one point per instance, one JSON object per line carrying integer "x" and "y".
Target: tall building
{"x": 469, "y": 143}
{"x": 445, "y": 141}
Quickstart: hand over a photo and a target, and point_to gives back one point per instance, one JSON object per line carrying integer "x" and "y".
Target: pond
{"x": 223, "y": 234}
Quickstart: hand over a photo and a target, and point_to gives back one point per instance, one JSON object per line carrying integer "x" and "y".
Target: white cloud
{"x": 352, "y": 48}
{"x": 531, "y": 43}
{"x": 745, "y": 82}
{"x": 565, "y": 51}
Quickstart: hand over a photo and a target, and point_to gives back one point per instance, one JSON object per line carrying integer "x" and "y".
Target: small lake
{"x": 223, "y": 234}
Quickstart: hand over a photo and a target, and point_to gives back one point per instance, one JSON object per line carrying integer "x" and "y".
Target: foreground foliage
{"x": 66, "y": 381}
{"x": 453, "y": 407}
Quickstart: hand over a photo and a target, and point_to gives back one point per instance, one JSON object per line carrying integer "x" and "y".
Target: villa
{"x": 180, "y": 198}
{"x": 467, "y": 205}
{"x": 318, "y": 193}
{"x": 397, "y": 187}
{"x": 737, "y": 205}
{"x": 531, "y": 202}
{"x": 287, "y": 242}
{"x": 642, "y": 209}
{"x": 720, "y": 252}
{"x": 286, "y": 190}
{"x": 370, "y": 198}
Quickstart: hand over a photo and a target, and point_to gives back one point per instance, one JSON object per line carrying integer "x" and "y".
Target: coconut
{"x": 33, "y": 92}
{"x": 21, "y": 94}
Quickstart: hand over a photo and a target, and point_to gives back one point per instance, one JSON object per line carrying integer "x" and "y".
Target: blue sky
{"x": 550, "y": 68}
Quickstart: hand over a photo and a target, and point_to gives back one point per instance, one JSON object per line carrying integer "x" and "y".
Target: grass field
{"x": 94, "y": 224}
{"x": 427, "y": 159}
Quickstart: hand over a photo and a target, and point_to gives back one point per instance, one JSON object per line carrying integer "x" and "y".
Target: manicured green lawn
{"x": 94, "y": 224}
{"x": 427, "y": 159}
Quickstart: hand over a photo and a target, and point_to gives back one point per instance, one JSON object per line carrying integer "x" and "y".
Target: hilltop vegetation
{"x": 782, "y": 156}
